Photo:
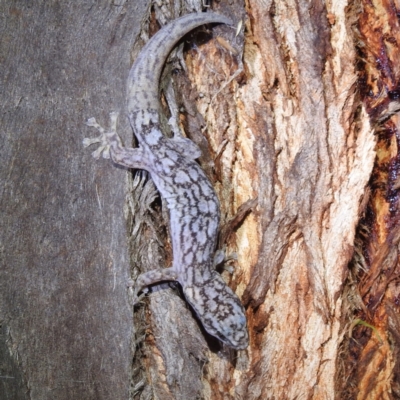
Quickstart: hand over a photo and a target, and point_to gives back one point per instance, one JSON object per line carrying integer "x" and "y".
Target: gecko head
{"x": 220, "y": 311}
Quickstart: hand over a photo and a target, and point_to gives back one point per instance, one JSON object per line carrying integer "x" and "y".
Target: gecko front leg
{"x": 150, "y": 278}
{"x": 111, "y": 145}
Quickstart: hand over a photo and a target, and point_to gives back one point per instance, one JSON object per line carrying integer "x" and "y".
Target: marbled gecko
{"x": 191, "y": 200}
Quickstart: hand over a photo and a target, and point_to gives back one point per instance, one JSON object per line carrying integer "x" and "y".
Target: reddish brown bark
{"x": 373, "y": 358}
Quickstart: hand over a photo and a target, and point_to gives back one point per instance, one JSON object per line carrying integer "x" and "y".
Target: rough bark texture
{"x": 372, "y": 368}
{"x": 313, "y": 153}
{"x": 288, "y": 145}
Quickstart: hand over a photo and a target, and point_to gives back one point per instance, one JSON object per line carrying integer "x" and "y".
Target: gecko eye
{"x": 238, "y": 344}
{"x": 222, "y": 338}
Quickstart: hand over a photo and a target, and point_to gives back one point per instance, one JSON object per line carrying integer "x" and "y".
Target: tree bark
{"x": 284, "y": 112}
{"x": 371, "y": 351}
{"x": 64, "y": 311}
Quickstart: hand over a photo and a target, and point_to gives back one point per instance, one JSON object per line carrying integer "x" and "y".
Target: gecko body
{"x": 190, "y": 197}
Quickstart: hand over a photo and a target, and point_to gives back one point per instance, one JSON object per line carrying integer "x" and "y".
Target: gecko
{"x": 192, "y": 203}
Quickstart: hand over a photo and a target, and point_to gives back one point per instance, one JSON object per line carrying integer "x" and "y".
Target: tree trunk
{"x": 64, "y": 312}
{"x": 284, "y": 106}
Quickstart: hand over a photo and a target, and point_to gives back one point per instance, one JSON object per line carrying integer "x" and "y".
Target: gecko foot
{"x": 103, "y": 139}
{"x": 220, "y": 258}
{"x": 137, "y": 299}
{"x": 133, "y": 292}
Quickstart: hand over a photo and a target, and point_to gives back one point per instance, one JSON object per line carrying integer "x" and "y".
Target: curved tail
{"x": 144, "y": 77}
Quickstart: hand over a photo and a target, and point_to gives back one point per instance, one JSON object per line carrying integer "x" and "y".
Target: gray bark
{"x": 64, "y": 311}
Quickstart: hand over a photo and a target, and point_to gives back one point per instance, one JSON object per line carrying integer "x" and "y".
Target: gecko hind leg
{"x": 111, "y": 145}
{"x": 104, "y": 137}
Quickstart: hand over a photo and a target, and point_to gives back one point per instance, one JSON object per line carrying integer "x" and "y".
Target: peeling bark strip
{"x": 311, "y": 154}
{"x": 373, "y": 354}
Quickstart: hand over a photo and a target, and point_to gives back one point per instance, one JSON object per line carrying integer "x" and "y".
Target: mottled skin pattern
{"x": 190, "y": 197}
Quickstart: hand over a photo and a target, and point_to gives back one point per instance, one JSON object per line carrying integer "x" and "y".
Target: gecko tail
{"x": 144, "y": 77}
